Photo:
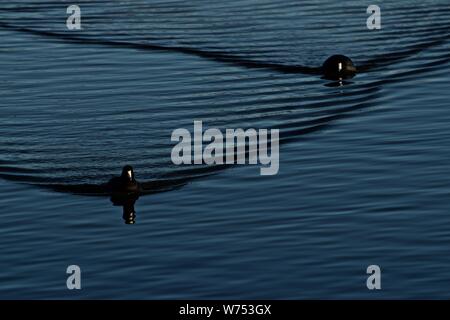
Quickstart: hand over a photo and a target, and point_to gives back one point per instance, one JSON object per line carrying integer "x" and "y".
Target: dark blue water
{"x": 363, "y": 167}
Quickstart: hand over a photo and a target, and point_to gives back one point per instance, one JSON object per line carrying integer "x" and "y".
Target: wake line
{"x": 390, "y": 58}
{"x": 216, "y": 56}
{"x": 374, "y": 63}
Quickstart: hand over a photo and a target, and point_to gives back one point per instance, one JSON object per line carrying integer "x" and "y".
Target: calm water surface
{"x": 363, "y": 167}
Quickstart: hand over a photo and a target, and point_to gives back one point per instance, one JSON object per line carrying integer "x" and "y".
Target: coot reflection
{"x": 125, "y": 192}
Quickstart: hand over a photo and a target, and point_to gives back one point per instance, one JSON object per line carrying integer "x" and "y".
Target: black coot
{"x": 338, "y": 67}
{"x": 126, "y": 184}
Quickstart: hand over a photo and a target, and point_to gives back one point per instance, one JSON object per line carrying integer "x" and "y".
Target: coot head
{"x": 128, "y": 174}
{"x": 125, "y": 187}
{"x": 338, "y": 67}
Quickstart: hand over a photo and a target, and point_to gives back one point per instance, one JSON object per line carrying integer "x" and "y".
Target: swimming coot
{"x": 126, "y": 184}
{"x": 338, "y": 67}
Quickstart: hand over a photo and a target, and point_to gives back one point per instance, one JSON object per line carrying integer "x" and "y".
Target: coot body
{"x": 124, "y": 185}
{"x": 338, "y": 67}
